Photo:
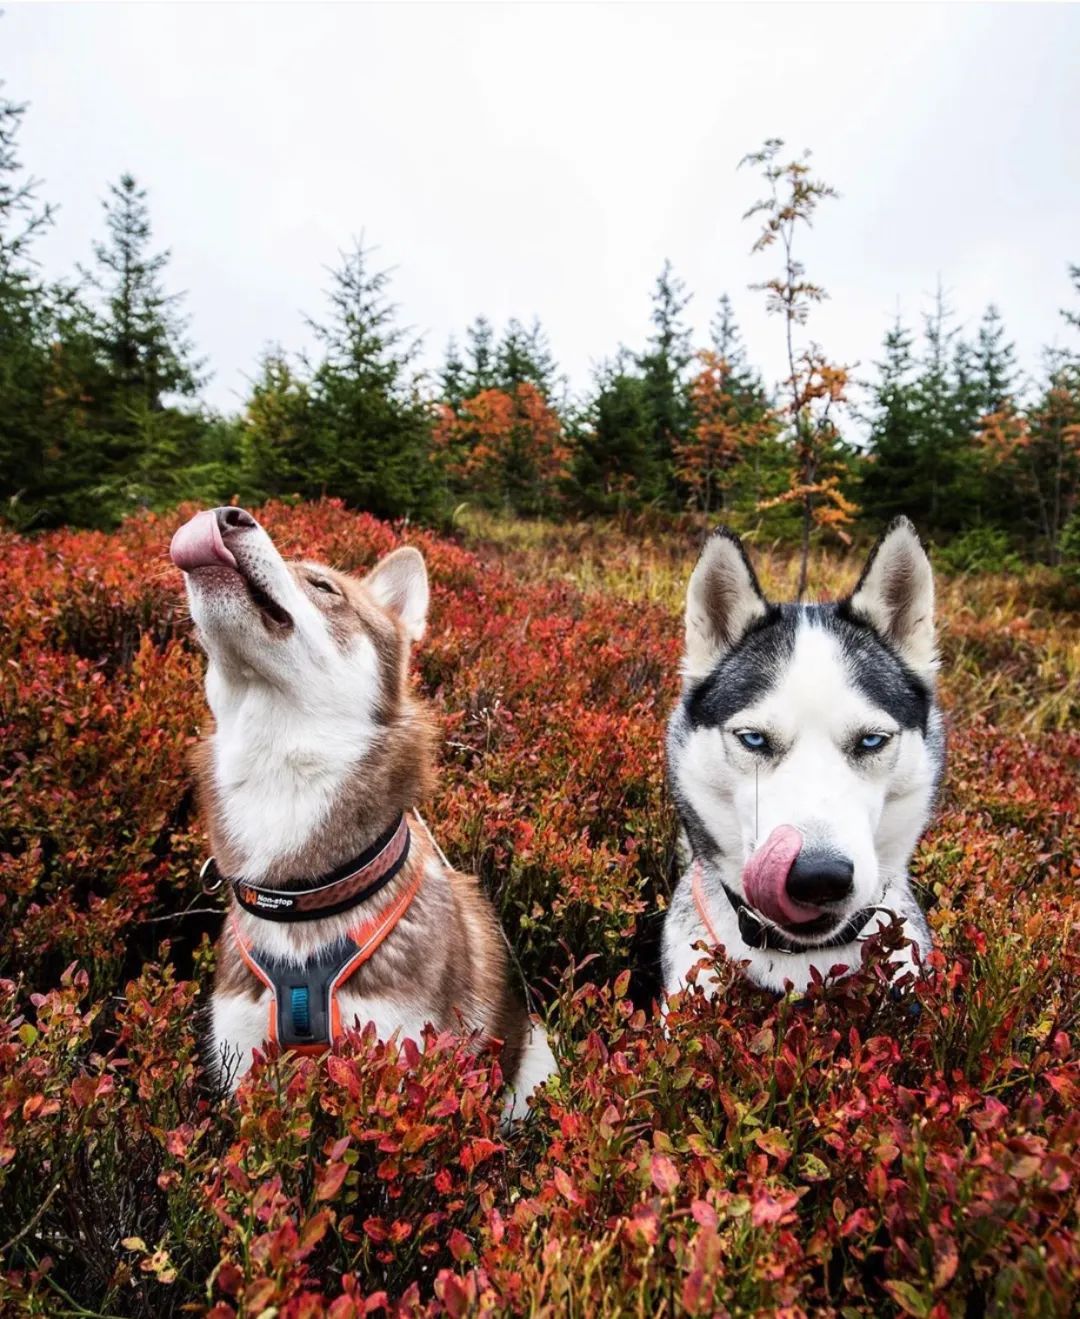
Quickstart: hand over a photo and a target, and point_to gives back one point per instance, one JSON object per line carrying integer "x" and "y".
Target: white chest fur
{"x": 279, "y": 764}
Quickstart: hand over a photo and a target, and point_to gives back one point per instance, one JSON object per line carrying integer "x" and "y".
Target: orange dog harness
{"x": 305, "y": 1015}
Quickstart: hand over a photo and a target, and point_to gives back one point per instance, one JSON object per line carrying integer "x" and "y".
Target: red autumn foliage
{"x": 723, "y": 434}
{"x": 853, "y": 1151}
{"x": 504, "y": 446}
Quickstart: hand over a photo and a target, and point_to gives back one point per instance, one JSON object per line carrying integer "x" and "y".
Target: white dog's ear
{"x": 723, "y": 601}
{"x": 895, "y": 595}
{"x": 400, "y": 584}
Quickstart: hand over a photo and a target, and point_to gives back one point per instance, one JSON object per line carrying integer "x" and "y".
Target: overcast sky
{"x": 545, "y": 159}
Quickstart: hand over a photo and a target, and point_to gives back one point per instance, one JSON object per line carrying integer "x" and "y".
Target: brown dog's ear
{"x": 895, "y": 595}
{"x": 723, "y": 601}
{"x": 400, "y": 584}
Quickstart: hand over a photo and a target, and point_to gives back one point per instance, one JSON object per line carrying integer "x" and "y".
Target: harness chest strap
{"x": 305, "y": 1016}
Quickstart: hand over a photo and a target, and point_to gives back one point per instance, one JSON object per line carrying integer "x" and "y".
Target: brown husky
{"x": 342, "y": 911}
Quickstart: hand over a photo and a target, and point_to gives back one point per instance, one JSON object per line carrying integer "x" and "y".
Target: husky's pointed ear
{"x": 723, "y": 601}
{"x": 895, "y": 595}
{"x": 400, "y": 584}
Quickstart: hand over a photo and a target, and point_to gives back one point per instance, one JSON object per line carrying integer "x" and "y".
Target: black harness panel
{"x": 303, "y": 993}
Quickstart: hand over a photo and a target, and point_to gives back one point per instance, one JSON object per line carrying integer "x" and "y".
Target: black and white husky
{"x": 804, "y": 757}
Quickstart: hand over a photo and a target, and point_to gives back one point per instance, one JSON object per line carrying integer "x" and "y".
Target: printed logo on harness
{"x": 265, "y": 901}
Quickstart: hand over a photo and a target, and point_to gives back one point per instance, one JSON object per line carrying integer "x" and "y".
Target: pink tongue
{"x": 765, "y": 878}
{"x": 198, "y": 544}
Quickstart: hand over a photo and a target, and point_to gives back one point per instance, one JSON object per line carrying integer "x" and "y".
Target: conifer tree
{"x": 275, "y": 429}
{"x": 480, "y": 356}
{"x": 894, "y": 439}
{"x": 943, "y": 484}
{"x": 994, "y": 362}
{"x": 616, "y": 465}
{"x": 453, "y": 378}
{"x": 523, "y": 356}
{"x": 371, "y": 431}
{"x": 663, "y": 371}
{"x": 25, "y": 317}
{"x": 141, "y": 331}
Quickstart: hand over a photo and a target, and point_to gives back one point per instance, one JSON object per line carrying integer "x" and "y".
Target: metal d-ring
{"x": 212, "y": 887}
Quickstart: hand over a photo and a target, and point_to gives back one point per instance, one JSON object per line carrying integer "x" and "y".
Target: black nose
{"x": 233, "y": 519}
{"x": 820, "y": 877}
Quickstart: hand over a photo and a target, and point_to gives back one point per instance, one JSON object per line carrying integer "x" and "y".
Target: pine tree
{"x": 994, "y": 361}
{"x": 895, "y": 437}
{"x": 453, "y": 378}
{"x": 1048, "y": 459}
{"x": 25, "y": 331}
{"x": 523, "y": 356}
{"x": 616, "y": 466}
{"x": 371, "y": 431}
{"x": 945, "y": 486}
{"x": 480, "y": 356}
{"x": 663, "y": 370}
{"x": 141, "y": 331}
{"x": 739, "y": 379}
{"x": 512, "y": 364}
{"x": 275, "y": 430}
{"x": 126, "y": 364}
{"x": 1073, "y": 317}
{"x": 545, "y": 372}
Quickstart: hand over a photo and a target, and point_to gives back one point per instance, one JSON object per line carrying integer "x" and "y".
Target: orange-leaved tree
{"x": 722, "y": 434}
{"x": 504, "y": 446}
{"x": 1038, "y": 454}
{"x": 814, "y": 389}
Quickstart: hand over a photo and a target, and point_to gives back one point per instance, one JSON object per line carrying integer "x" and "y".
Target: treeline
{"x": 100, "y": 409}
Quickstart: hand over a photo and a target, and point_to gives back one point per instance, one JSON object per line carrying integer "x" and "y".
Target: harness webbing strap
{"x": 347, "y": 887}
{"x": 757, "y": 933}
{"x": 305, "y": 1016}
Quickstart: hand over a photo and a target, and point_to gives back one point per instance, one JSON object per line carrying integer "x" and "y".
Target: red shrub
{"x": 855, "y": 1151}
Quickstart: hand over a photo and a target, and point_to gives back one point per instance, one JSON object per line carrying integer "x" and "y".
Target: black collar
{"x": 329, "y": 895}
{"x": 758, "y": 933}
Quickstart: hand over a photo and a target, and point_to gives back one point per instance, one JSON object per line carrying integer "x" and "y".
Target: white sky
{"x": 545, "y": 159}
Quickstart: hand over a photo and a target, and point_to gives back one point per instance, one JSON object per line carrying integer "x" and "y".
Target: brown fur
{"x": 446, "y": 957}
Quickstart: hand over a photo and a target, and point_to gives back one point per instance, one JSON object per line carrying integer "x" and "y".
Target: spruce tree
{"x": 275, "y": 427}
{"x": 740, "y": 380}
{"x": 1048, "y": 465}
{"x": 994, "y": 364}
{"x": 480, "y": 356}
{"x": 894, "y": 439}
{"x": 663, "y": 370}
{"x": 141, "y": 331}
{"x": 944, "y": 485}
{"x": 616, "y": 466}
{"x": 25, "y": 331}
{"x": 371, "y": 440}
{"x": 129, "y": 364}
{"x": 453, "y": 378}
{"x": 523, "y": 356}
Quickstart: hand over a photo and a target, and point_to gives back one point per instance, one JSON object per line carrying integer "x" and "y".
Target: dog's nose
{"x": 818, "y": 878}
{"x": 233, "y": 519}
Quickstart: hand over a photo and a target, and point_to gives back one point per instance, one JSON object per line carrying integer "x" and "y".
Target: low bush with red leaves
{"x": 863, "y": 1149}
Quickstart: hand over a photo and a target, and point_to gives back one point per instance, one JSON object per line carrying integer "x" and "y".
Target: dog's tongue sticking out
{"x": 198, "y": 544}
{"x": 765, "y": 878}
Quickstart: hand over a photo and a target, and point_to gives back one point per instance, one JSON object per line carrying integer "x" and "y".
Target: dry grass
{"x": 1010, "y": 644}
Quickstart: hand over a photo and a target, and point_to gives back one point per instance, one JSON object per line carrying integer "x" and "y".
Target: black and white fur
{"x": 814, "y": 680}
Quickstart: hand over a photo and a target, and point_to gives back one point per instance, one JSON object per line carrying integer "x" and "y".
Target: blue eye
{"x": 752, "y": 740}
{"x": 872, "y": 741}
